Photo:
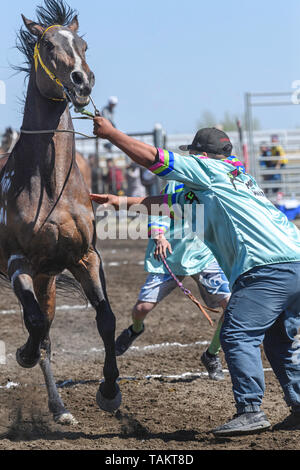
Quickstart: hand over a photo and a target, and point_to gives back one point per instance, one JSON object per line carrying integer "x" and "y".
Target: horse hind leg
{"x": 45, "y": 290}
{"x": 87, "y": 273}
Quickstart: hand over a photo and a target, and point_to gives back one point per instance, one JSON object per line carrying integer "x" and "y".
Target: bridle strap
{"x": 38, "y": 60}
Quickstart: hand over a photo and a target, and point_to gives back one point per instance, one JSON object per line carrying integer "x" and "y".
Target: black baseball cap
{"x": 210, "y": 140}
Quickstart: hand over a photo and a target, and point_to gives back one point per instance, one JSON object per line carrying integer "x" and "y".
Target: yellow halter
{"x": 38, "y": 60}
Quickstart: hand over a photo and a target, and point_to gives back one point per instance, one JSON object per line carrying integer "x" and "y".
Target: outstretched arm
{"x": 141, "y": 153}
{"x": 194, "y": 171}
{"x": 155, "y": 205}
{"x": 117, "y": 201}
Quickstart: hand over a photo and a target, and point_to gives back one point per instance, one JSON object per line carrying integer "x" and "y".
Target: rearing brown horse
{"x": 47, "y": 221}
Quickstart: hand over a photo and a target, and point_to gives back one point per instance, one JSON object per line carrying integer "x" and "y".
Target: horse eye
{"x": 48, "y": 45}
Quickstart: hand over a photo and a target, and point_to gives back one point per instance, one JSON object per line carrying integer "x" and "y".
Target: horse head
{"x": 60, "y": 62}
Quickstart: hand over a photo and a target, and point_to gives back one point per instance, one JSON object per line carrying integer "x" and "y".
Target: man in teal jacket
{"x": 258, "y": 250}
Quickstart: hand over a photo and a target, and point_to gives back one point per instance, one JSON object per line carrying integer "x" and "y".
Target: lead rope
{"x": 189, "y": 294}
{"x": 86, "y": 115}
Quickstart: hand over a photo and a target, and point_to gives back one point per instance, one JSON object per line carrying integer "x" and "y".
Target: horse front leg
{"x": 20, "y": 273}
{"x": 89, "y": 274}
{"x": 45, "y": 290}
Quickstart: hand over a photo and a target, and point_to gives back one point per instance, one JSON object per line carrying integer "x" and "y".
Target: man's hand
{"x": 102, "y": 127}
{"x": 162, "y": 246}
{"x": 106, "y": 200}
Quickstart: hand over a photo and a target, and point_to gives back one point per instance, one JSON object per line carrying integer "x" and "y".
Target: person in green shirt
{"x": 186, "y": 256}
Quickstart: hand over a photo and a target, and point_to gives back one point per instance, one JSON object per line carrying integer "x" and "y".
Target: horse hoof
{"x": 66, "y": 419}
{"x": 107, "y": 404}
{"x": 23, "y": 363}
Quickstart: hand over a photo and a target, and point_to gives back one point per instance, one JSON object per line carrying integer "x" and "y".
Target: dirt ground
{"x": 169, "y": 403}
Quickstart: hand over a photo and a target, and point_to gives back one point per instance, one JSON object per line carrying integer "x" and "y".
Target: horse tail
{"x": 65, "y": 284}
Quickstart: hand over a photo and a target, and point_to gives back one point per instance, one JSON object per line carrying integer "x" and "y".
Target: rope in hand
{"x": 189, "y": 294}
{"x": 55, "y": 131}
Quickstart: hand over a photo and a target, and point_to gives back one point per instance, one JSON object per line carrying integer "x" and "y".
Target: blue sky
{"x": 168, "y": 60}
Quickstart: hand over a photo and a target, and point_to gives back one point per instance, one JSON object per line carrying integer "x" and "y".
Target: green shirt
{"x": 190, "y": 255}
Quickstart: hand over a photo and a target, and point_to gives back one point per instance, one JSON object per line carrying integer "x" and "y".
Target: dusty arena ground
{"x": 168, "y": 401}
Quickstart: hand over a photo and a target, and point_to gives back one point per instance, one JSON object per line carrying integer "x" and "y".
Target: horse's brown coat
{"x": 47, "y": 220}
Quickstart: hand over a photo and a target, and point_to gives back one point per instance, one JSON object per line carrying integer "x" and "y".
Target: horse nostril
{"x": 77, "y": 78}
{"x": 82, "y": 86}
{"x": 87, "y": 90}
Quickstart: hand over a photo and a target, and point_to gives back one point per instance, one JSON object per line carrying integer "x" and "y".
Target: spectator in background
{"x": 9, "y": 140}
{"x": 96, "y": 173}
{"x": 134, "y": 182}
{"x": 265, "y": 154}
{"x": 277, "y": 151}
{"x": 108, "y": 112}
{"x": 150, "y": 182}
{"x": 114, "y": 178}
{"x": 265, "y": 151}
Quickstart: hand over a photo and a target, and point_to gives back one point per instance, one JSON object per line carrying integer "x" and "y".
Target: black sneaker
{"x": 291, "y": 422}
{"x": 213, "y": 366}
{"x": 245, "y": 423}
{"x": 125, "y": 340}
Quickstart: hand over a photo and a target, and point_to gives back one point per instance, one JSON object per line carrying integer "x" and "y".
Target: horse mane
{"x": 53, "y": 12}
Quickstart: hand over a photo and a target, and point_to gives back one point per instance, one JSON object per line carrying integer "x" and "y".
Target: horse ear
{"x": 74, "y": 25}
{"x": 34, "y": 28}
